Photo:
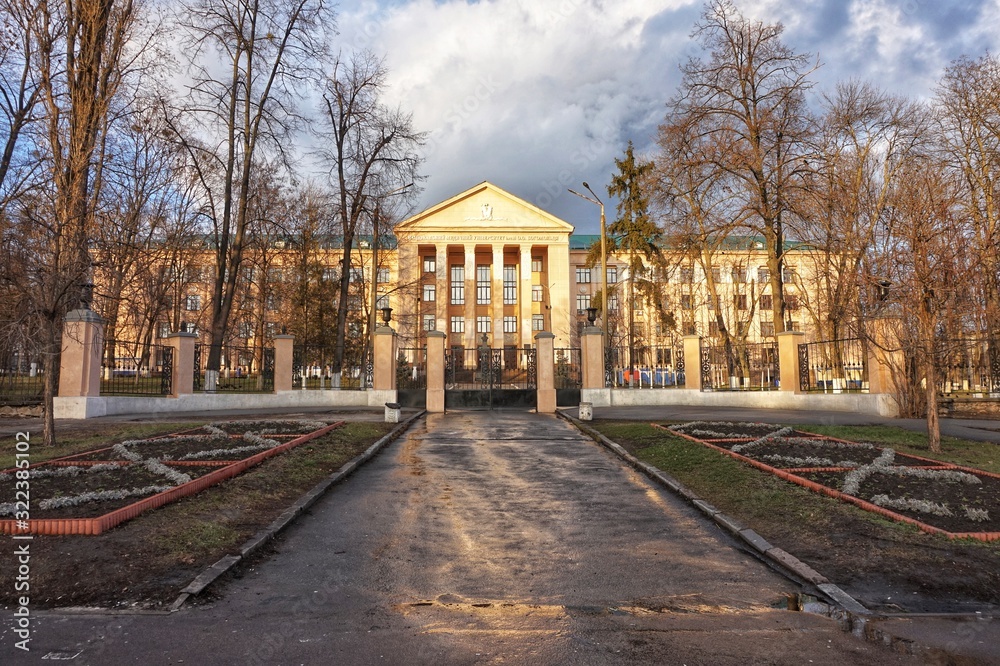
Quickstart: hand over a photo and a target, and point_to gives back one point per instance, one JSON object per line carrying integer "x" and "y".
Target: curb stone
{"x": 310, "y": 497}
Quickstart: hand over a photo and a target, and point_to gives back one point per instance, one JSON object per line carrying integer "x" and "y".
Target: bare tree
{"x": 251, "y": 64}
{"x": 749, "y": 96}
{"x": 866, "y": 140}
{"x": 699, "y": 210}
{"x": 925, "y": 264}
{"x": 372, "y": 152}
{"x": 19, "y": 93}
{"x": 84, "y": 53}
{"x": 968, "y": 104}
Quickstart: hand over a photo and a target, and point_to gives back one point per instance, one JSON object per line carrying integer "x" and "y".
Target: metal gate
{"x": 486, "y": 378}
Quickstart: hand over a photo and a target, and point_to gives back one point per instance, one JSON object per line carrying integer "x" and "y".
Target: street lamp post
{"x": 372, "y": 308}
{"x": 604, "y": 269}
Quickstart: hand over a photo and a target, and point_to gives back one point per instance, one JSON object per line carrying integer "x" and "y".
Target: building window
{"x": 429, "y": 265}
{"x": 716, "y": 274}
{"x": 739, "y": 274}
{"x": 510, "y": 324}
{"x": 246, "y": 330}
{"x": 789, "y": 274}
{"x": 484, "y": 325}
{"x": 767, "y": 329}
{"x": 247, "y": 274}
{"x": 763, "y": 275}
{"x": 791, "y": 302}
{"x": 430, "y": 292}
{"x": 793, "y": 325}
{"x": 509, "y": 284}
{"x": 687, "y": 275}
{"x": 582, "y": 303}
{"x": 483, "y": 289}
{"x": 383, "y": 275}
{"x": 740, "y": 301}
{"x": 330, "y": 274}
{"x": 458, "y": 324}
{"x": 357, "y": 274}
{"x": 536, "y": 264}
{"x": 164, "y": 329}
{"x": 382, "y": 302}
{"x": 192, "y": 303}
{"x": 713, "y": 328}
{"x": 583, "y": 276}
{"x": 537, "y": 322}
{"x": 430, "y": 322}
{"x": 458, "y": 285}
{"x": 612, "y": 275}
{"x": 690, "y": 328}
{"x": 536, "y": 293}
{"x": 612, "y": 303}
{"x": 766, "y": 302}
{"x": 271, "y": 303}
{"x": 687, "y": 302}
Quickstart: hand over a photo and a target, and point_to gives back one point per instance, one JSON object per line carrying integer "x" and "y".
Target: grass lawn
{"x": 858, "y": 550}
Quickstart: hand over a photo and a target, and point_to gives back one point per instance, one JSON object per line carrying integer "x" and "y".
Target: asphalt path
{"x": 480, "y": 538}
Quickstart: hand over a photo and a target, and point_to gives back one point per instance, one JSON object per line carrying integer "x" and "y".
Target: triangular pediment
{"x": 484, "y": 208}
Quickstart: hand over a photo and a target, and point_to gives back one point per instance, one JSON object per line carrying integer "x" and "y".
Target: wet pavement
{"x": 481, "y": 538}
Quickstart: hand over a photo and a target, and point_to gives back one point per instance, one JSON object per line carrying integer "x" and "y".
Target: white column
{"x": 524, "y": 296}
{"x": 443, "y": 289}
{"x": 470, "y": 296}
{"x": 497, "y": 295}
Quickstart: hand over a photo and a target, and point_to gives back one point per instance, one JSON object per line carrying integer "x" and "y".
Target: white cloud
{"x": 538, "y": 95}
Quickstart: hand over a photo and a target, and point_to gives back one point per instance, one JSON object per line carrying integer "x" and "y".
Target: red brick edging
{"x": 92, "y": 526}
{"x": 831, "y": 492}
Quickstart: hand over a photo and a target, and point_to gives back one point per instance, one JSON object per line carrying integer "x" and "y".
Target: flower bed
{"x": 91, "y": 492}
{"x": 937, "y": 497}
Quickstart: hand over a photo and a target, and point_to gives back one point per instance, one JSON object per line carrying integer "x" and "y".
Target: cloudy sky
{"x": 533, "y": 95}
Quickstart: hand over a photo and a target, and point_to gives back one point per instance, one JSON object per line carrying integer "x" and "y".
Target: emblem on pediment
{"x": 485, "y": 214}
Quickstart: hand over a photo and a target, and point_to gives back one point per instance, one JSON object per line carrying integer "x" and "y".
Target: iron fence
{"x": 21, "y": 378}
{"x": 969, "y": 366}
{"x": 507, "y": 368}
{"x": 569, "y": 368}
{"x": 411, "y": 368}
{"x": 135, "y": 368}
{"x": 739, "y": 366}
{"x": 833, "y": 366}
{"x": 241, "y": 369}
{"x": 646, "y": 367}
{"x": 312, "y": 369}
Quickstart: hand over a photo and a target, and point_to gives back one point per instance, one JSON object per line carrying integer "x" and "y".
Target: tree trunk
{"x": 933, "y": 421}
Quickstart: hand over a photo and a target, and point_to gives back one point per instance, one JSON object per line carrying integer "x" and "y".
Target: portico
{"x": 486, "y": 263}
